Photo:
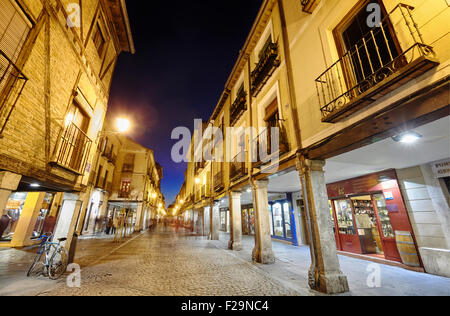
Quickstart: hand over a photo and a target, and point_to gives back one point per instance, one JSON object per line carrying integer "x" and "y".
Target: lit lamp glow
{"x": 407, "y": 138}
{"x": 197, "y": 180}
{"x": 123, "y": 125}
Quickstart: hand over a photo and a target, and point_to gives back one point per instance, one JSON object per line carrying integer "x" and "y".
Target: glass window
{"x": 11, "y": 215}
{"x": 271, "y": 219}
{"x": 345, "y": 217}
{"x": 278, "y": 220}
{"x": 287, "y": 220}
{"x": 44, "y": 223}
{"x": 383, "y": 214}
{"x": 251, "y": 219}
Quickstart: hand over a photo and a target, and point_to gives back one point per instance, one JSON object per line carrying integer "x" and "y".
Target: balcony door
{"x": 78, "y": 123}
{"x": 369, "y": 50}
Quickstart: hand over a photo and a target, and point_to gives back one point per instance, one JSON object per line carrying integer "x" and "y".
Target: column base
{"x": 331, "y": 283}
{"x": 263, "y": 257}
{"x": 233, "y": 245}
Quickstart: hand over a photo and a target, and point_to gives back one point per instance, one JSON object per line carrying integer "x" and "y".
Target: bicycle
{"x": 56, "y": 259}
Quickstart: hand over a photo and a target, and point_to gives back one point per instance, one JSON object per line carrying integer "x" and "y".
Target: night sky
{"x": 185, "y": 51}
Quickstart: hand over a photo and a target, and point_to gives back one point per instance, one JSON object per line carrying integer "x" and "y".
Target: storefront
{"x": 248, "y": 220}
{"x": 370, "y": 217}
{"x": 26, "y": 217}
{"x": 225, "y": 220}
{"x": 282, "y": 225}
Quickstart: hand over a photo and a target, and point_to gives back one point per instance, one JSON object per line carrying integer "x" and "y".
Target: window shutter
{"x": 14, "y": 29}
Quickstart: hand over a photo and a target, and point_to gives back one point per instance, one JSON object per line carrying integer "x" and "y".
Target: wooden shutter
{"x": 14, "y": 28}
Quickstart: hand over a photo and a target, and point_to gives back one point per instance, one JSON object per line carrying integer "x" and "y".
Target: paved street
{"x": 169, "y": 264}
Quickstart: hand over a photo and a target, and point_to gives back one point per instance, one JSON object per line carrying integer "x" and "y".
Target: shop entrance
{"x": 364, "y": 225}
{"x": 281, "y": 220}
{"x": 248, "y": 220}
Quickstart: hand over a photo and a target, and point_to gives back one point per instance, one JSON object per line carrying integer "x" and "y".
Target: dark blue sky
{"x": 185, "y": 51}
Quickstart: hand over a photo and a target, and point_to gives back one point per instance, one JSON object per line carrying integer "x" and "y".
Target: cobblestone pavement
{"x": 167, "y": 264}
{"x": 170, "y": 264}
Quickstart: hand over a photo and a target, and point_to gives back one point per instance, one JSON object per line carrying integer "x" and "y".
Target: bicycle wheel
{"x": 58, "y": 263}
{"x": 37, "y": 267}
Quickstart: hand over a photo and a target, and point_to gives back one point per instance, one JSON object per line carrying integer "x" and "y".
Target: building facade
{"x": 324, "y": 98}
{"x": 57, "y": 61}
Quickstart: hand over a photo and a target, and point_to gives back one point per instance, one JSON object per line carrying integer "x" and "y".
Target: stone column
{"x": 27, "y": 220}
{"x": 68, "y": 216}
{"x": 235, "y": 242}
{"x": 206, "y": 211}
{"x": 139, "y": 219}
{"x": 214, "y": 221}
{"x": 262, "y": 252}
{"x": 8, "y": 183}
{"x": 325, "y": 274}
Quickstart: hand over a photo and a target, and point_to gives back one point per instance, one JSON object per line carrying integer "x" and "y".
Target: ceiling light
{"x": 407, "y": 138}
{"x": 35, "y": 185}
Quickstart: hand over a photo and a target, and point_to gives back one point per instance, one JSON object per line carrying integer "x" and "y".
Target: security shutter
{"x": 14, "y": 29}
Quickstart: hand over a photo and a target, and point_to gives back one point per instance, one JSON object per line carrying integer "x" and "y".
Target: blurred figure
{"x": 109, "y": 226}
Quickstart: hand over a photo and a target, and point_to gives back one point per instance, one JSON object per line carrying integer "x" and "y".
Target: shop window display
{"x": 345, "y": 217}
{"x": 44, "y": 222}
{"x": 287, "y": 220}
{"x": 11, "y": 215}
{"x": 277, "y": 220}
{"x": 366, "y": 222}
{"x": 383, "y": 214}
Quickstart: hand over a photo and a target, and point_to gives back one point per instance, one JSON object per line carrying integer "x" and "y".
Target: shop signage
{"x": 278, "y": 197}
{"x": 441, "y": 169}
{"x": 388, "y": 195}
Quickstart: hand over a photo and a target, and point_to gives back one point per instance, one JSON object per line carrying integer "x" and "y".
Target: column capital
{"x": 235, "y": 194}
{"x": 9, "y": 181}
{"x": 306, "y": 165}
{"x": 260, "y": 184}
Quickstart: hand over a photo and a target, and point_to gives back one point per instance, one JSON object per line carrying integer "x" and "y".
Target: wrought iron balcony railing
{"x": 218, "y": 181}
{"x": 268, "y": 62}
{"x": 128, "y": 168}
{"x": 390, "y": 55}
{"x": 239, "y": 107}
{"x": 74, "y": 149}
{"x": 308, "y": 6}
{"x": 264, "y": 142}
{"x": 237, "y": 167}
{"x": 12, "y": 83}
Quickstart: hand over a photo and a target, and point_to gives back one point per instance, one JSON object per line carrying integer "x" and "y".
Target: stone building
{"x": 326, "y": 98}
{"x": 136, "y": 185}
{"x": 57, "y": 60}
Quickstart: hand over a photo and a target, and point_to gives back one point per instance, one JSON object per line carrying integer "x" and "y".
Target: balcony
{"x": 73, "y": 150}
{"x": 218, "y": 181}
{"x": 265, "y": 142}
{"x": 127, "y": 168}
{"x": 268, "y": 62}
{"x": 389, "y": 56}
{"x": 109, "y": 155}
{"x": 239, "y": 107}
{"x": 237, "y": 167}
{"x": 12, "y": 83}
{"x": 308, "y": 6}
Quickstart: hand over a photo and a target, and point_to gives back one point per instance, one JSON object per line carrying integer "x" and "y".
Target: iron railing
{"x": 239, "y": 107}
{"x": 308, "y": 6}
{"x": 363, "y": 72}
{"x": 12, "y": 83}
{"x": 218, "y": 181}
{"x": 74, "y": 149}
{"x": 237, "y": 166}
{"x": 264, "y": 141}
{"x": 128, "y": 167}
{"x": 268, "y": 62}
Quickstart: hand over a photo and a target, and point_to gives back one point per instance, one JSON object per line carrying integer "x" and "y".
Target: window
{"x": 14, "y": 29}
{"x": 75, "y": 144}
{"x": 105, "y": 180}
{"x": 125, "y": 188}
{"x": 370, "y": 51}
{"x": 99, "y": 39}
{"x": 100, "y": 169}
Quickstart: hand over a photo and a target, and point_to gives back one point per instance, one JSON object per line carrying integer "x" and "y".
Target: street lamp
{"x": 123, "y": 125}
